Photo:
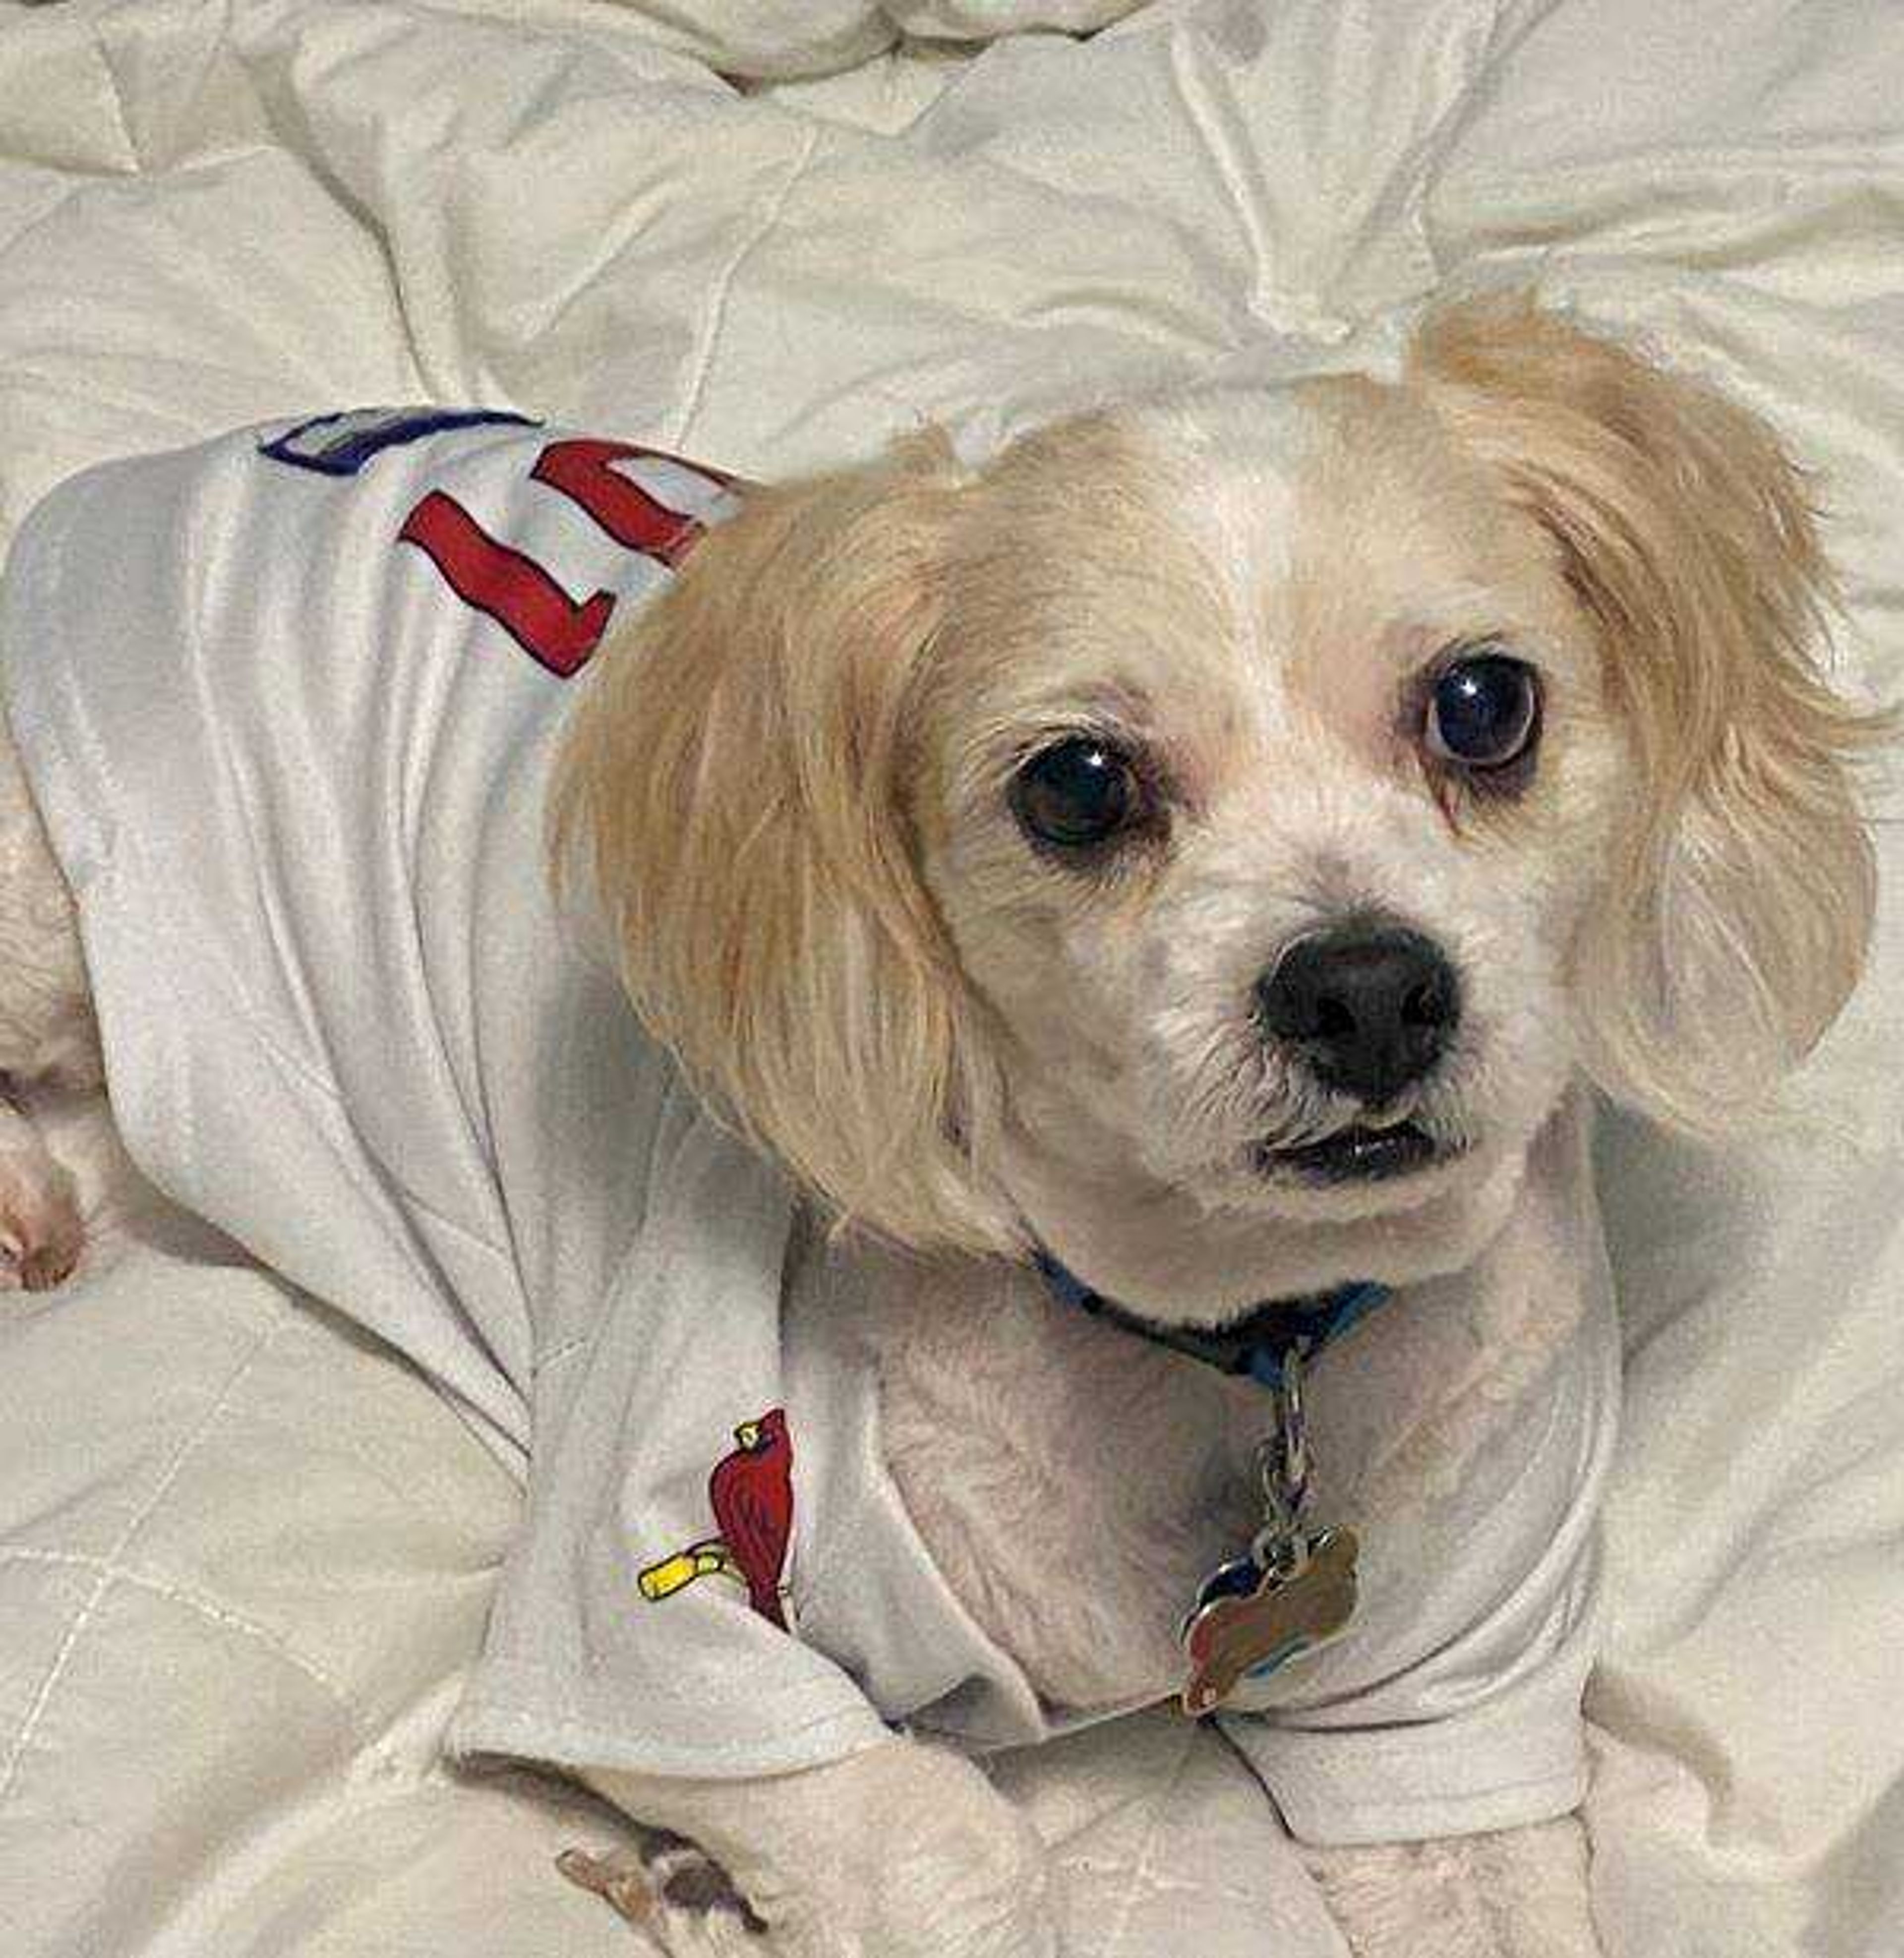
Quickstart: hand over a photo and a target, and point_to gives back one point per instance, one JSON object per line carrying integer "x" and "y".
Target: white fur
{"x": 958, "y": 1044}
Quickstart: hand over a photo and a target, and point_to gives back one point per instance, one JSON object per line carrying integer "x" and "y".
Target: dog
{"x": 1192, "y": 869}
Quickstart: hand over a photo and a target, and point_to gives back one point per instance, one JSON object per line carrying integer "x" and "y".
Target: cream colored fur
{"x": 788, "y": 789}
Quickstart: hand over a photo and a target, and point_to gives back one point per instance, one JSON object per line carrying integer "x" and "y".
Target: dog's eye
{"x": 1076, "y": 793}
{"x": 1484, "y": 711}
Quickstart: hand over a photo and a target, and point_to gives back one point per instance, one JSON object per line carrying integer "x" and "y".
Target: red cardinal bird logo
{"x": 751, "y": 1492}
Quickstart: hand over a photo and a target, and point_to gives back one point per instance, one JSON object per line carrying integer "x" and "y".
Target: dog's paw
{"x": 1516, "y": 1893}
{"x": 41, "y": 1236}
{"x": 902, "y": 1849}
{"x": 680, "y": 1898}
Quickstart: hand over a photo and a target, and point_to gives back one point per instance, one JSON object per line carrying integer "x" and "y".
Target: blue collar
{"x": 1256, "y": 1344}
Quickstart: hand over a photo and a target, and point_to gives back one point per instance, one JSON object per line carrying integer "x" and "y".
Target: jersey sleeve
{"x": 1505, "y": 1752}
{"x": 1463, "y": 1713}
{"x": 645, "y": 1620}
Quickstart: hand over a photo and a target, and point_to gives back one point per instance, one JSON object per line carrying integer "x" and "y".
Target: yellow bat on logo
{"x": 711, "y": 1559}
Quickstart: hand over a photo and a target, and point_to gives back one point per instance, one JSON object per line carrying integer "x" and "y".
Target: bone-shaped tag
{"x": 1238, "y": 1632}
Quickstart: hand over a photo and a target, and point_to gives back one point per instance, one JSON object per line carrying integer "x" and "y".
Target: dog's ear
{"x": 1737, "y": 911}
{"x": 734, "y": 787}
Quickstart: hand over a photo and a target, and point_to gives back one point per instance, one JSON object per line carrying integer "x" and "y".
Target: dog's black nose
{"x": 1369, "y": 1007}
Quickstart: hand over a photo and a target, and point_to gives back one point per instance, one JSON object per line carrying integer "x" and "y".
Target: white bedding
{"x": 242, "y": 1558}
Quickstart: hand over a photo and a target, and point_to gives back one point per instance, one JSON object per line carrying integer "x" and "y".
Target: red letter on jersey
{"x": 515, "y": 590}
{"x": 581, "y": 470}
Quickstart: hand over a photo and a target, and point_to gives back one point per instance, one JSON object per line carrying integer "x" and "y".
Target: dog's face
{"x": 1209, "y": 839}
{"x": 1264, "y": 774}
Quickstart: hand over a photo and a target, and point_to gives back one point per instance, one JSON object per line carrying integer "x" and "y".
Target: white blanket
{"x": 243, "y": 1557}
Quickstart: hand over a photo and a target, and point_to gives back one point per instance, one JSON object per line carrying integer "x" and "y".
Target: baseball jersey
{"x": 288, "y": 702}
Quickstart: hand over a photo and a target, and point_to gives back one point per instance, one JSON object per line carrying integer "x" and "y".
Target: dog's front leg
{"x": 41, "y": 1235}
{"x": 903, "y": 1850}
{"x": 1520, "y": 1894}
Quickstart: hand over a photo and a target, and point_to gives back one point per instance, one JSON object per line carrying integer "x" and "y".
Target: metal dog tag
{"x": 1293, "y": 1593}
{"x": 1252, "y": 1617}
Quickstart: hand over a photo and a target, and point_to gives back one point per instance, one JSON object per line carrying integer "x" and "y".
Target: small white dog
{"x": 1208, "y": 850}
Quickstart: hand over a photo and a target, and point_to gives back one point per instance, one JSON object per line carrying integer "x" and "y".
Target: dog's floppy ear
{"x": 734, "y": 787}
{"x": 1736, "y": 915}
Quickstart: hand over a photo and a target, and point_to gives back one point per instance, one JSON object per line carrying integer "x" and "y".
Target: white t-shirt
{"x": 288, "y": 702}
